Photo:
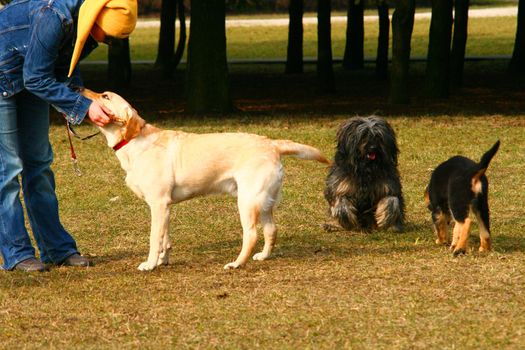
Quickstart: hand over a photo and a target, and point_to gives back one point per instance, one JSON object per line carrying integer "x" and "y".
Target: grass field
{"x": 487, "y": 37}
{"x": 320, "y": 290}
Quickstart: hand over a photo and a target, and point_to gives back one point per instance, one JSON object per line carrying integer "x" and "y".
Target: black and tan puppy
{"x": 457, "y": 187}
{"x": 363, "y": 188}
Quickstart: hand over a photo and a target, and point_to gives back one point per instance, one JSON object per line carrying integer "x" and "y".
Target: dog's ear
{"x": 133, "y": 125}
{"x": 92, "y": 95}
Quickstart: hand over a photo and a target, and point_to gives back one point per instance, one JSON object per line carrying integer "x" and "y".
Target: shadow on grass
{"x": 344, "y": 245}
{"x": 320, "y": 243}
{"x": 119, "y": 255}
{"x": 262, "y": 91}
{"x": 508, "y": 244}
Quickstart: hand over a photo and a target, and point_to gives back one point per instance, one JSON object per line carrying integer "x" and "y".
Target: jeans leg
{"x": 38, "y": 182}
{"x": 15, "y": 244}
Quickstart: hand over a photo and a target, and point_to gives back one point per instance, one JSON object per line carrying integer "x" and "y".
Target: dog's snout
{"x": 371, "y": 151}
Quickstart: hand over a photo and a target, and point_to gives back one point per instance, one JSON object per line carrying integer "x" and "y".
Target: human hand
{"x": 99, "y": 114}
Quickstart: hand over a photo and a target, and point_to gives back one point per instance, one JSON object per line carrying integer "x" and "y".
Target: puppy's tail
{"x": 480, "y": 168}
{"x": 487, "y": 157}
{"x": 287, "y": 147}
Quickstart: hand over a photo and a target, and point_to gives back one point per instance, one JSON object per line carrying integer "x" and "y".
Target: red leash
{"x": 72, "y": 149}
{"x": 71, "y": 131}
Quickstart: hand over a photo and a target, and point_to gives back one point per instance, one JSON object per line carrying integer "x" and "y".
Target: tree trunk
{"x": 517, "y": 63}
{"x": 167, "y": 60}
{"x": 294, "y": 55}
{"x": 168, "y": 16}
{"x": 355, "y": 35}
{"x": 182, "y": 34}
{"x": 208, "y": 87}
{"x": 438, "y": 59}
{"x": 382, "y": 40}
{"x": 459, "y": 41}
{"x": 402, "y": 26}
{"x": 325, "y": 72}
{"x": 119, "y": 63}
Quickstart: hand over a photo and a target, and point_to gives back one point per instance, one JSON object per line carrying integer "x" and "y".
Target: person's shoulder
{"x": 66, "y": 10}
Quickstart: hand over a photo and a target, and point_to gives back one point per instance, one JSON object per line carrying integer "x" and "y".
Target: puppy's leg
{"x": 440, "y": 221}
{"x": 270, "y": 235}
{"x": 389, "y": 213}
{"x": 463, "y": 231}
{"x": 455, "y": 236}
{"x": 485, "y": 243}
{"x": 482, "y": 215}
{"x": 249, "y": 213}
{"x": 159, "y": 229}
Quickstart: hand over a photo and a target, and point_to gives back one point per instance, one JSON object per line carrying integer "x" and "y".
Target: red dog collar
{"x": 119, "y": 145}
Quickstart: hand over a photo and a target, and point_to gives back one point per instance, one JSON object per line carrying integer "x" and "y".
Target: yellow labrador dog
{"x": 165, "y": 167}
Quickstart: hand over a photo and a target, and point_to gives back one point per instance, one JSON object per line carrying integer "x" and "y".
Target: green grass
{"x": 319, "y": 290}
{"x": 488, "y": 36}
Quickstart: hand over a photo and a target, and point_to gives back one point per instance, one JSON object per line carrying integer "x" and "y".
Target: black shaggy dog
{"x": 363, "y": 187}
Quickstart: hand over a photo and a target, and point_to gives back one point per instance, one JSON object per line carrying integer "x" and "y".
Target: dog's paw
{"x": 459, "y": 251}
{"x": 485, "y": 245}
{"x": 398, "y": 228}
{"x": 163, "y": 260}
{"x": 330, "y": 228}
{"x": 146, "y": 267}
{"x": 260, "y": 256}
{"x": 441, "y": 242}
{"x": 231, "y": 266}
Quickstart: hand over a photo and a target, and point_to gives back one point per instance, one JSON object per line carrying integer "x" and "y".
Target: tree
{"x": 166, "y": 60}
{"x": 168, "y": 15}
{"x": 355, "y": 35}
{"x": 119, "y": 63}
{"x": 402, "y": 26}
{"x": 459, "y": 41}
{"x": 325, "y": 72}
{"x": 382, "y": 40}
{"x": 207, "y": 80}
{"x": 294, "y": 54}
{"x": 517, "y": 62}
{"x": 182, "y": 35}
{"x": 438, "y": 59}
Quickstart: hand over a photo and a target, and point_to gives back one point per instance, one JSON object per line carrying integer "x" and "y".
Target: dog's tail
{"x": 287, "y": 147}
{"x": 487, "y": 157}
{"x": 480, "y": 168}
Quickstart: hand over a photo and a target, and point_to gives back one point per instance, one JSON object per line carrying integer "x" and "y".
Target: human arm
{"x": 47, "y": 35}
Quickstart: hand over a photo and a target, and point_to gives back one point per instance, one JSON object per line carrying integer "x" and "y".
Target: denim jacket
{"x": 36, "y": 45}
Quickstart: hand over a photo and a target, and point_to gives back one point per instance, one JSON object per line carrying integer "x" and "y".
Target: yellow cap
{"x": 115, "y": 18}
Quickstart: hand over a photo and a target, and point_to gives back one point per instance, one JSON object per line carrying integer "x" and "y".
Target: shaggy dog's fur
{"x": 363, "y": 187}
{"x": 458, "y": 187}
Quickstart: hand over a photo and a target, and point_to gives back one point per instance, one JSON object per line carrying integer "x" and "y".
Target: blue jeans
{"x": 25, "y": 150}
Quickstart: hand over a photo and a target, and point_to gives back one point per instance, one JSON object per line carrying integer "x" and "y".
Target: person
{"x": 41, "y": 43}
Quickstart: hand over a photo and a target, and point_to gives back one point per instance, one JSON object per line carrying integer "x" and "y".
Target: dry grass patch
{"x": 320, "y": 290}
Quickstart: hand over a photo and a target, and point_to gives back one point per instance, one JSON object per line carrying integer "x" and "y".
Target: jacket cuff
{"x": 80, "y": 110}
